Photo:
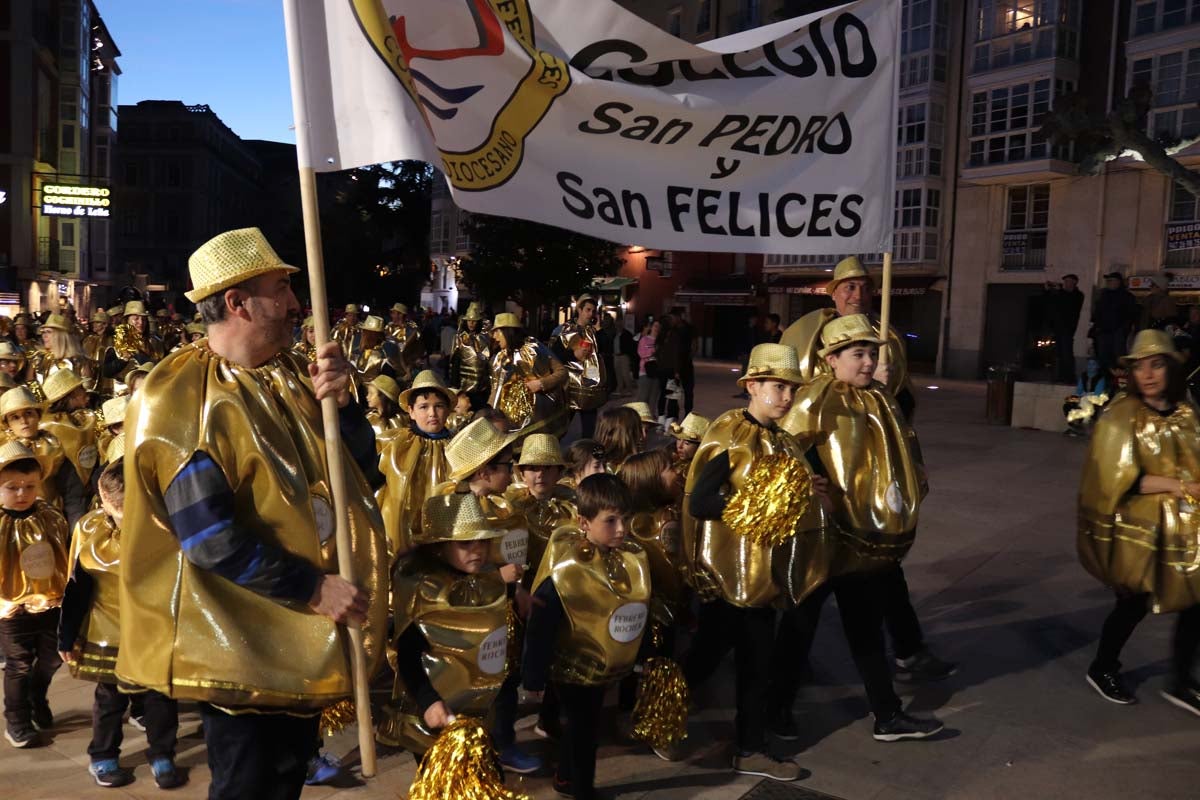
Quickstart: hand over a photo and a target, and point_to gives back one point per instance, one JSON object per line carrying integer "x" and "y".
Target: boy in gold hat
{"x": 33, "y": 575}
{"x": 345, "y": 330}
{"x": 593, "y": 593}
{"x": 72, "y": 422}
{"x": 13, "y": 362}
{"x": 451, "y": 622}
{"x": 21, "y": 414}
{"x": 469, "y": 359}
{"x": 871, "y": 458}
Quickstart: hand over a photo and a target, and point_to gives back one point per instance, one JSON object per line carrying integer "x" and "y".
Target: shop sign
{"x": 76, "y": 201}
{"x": 1191, "y": 281}
{"x": 1015, "y": 242}
{"x": 1183, "y": 236}
{"x": 3, "y": 197}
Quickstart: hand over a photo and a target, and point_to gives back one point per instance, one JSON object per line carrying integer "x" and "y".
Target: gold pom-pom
{"x": 461, "y": 765}
{"x": 337, "y": 717}
{"x": 660, "y": 715}
{"x": 516, "y": 401}
{"x": 768, "y": 507}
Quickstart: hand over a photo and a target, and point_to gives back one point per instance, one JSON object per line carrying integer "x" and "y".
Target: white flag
{"x": 580, "y": 114}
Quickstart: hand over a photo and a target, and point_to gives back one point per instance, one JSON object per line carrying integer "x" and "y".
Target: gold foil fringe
{"x": 660, "y": 715}
{"x": 461, "y": 765}
{"x": 768, "y": 507}
{"x": 337, "y": 717}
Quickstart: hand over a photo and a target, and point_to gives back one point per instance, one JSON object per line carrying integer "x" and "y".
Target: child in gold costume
{"x": 1139, "y": 515}
{"x": 687, "y": 436}
{"x": 593, "y": 588}
{"x": 33, "y": 575}
{"x": 89, "y": 638}
{"x": 451, "y": 616}
{"x": 71, "y": 421}
{"x": 22, "y": 414}
{"x": 869, "y": 453}
{"x": 383, "y": 409}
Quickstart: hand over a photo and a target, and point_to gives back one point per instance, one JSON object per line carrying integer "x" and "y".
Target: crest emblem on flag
{"x": 481, "y": 92}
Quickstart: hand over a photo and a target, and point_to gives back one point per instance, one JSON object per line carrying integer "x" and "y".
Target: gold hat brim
{"x": 481, "y": 458}
{"x": 1138, "y": 355}
{"x": 833, "y": 348}
{"x": 475, "y": 535}
{"x": 201, "y": 292}
{"x": 406, "y": 395}
{"x": 773, "y": 374}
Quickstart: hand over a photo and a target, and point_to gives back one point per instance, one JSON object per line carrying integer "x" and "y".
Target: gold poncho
{"x": 408, "y": 341}
{"x": 370, "y": 362}
{"x": 587, "y": 386}
{"x": 346, "y": 334}
{"x": 96, "y": 545}
{"x": 543, "y": 517}
{"x": 77, "y": 432}
{"x": 1142, "y": 542}
{"x": 605, "y": 596}
{"x": 543, "y": 412}
{"x": 720, "y": 563}
{"x": 465, "y": 620}
{"x": 873, "y": 465}
{"x": 413, "y": 466}
{"x": 33, "y": 560}
{"x": 201, "y": 636}
{"x": 470, "y": 360}
{"x": 658, "y": 534}
{"x": 805, "y": 335}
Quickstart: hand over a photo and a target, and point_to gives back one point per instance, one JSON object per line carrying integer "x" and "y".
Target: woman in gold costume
{"x": 132, "y": 345}
{"x": 307, "y": 346}
{"x": 13, "y": 362}
{"x": 470, "y": 371}
{"x": 62, "y": 350}
{"x": 22, "y": 333}
{"x": 1139, "y": 517}
{"x": 528, "y": 383}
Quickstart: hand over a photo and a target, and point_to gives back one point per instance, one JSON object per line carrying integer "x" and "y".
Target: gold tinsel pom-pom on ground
{"x": 768, "y": 507}
{"x": 337, "y": 717}
{"x": 660, "y": 715}
{"x": 461, "y": 765}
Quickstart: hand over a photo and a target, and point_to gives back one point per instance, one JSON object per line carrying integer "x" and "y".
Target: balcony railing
{"x": 1183, "y": 258}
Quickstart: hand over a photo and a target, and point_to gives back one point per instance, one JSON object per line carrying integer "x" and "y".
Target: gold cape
{"x": 370, "y": 362}
{"x": 465, "y": 620}
{"x": 605, "y": 596}
{"x": 544, "y": 412}
{"x": 471, "y": 354}
{"x": 412, "y": 466}
{"x": 77, "y": 432}
{"x": 1142, "y": 542}
{"x": 719, "y": 562}
{"x": 587, "y": 385}
{"x": 33, "y": 560}
{"x": 543, "y": 517}
{"x": 805, "y": 335}
{"x": 96, "y": 546}
{"x": 410, "y": 347}
{"x": 201, "y": 636}
{"x": 658, "y": 534}
{"x": 870, "y": 455}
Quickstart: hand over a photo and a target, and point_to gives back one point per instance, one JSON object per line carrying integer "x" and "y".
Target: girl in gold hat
{"x": 1139, "y": 512}
{"x": 383, "y": 408}
{"x": 21, "y": 414}
{"x": 527, "y": 382}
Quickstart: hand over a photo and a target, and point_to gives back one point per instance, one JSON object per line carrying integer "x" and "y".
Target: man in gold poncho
{"x": 345, "y": 330}
{"x": 132, "y": 344}
{"x": 95, "y": 344}
{"x": 407, "y": 335}
{"x": 527, "y": 382}
{"x": 228, "y": 517}
{"x": 576, "y": 348}
{"x": 851, "y": 290}
{"x": 1139, "y": 515}
{"x": 469, "y": 369}
{"x": 376, "y": 354}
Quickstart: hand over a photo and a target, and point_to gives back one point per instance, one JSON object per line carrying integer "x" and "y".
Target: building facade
{"x": 58, "y": 127}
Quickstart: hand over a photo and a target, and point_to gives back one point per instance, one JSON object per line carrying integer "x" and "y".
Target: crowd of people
{"x": 168, "y": 521}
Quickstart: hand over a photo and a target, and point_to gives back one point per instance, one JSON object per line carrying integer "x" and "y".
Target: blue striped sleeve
{"x": 200, "y": 504}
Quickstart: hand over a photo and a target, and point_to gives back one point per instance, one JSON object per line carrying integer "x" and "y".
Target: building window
{"x": 704, "y": 17}
{"x": 1016, "y": 113}
{"x": 675, "y": 22}
{"x": 68, "y": 137}
{"x": 1185, "y": 206}
{"x": 1161, "y": 15}
{"x": 462, "y": 240}
{"x": 1028, "y": 221}
{"x": 66, "y": 232}
{"x": 174, "y": 174}
{"x": 129, "y": 223}
{"x": 916, "y": 26}
{"x": 1174, "y": 79}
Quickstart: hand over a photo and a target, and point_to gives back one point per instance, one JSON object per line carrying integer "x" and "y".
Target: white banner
{"x": 780, "y": 139}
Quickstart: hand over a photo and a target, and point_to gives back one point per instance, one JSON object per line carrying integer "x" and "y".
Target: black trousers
{"x": 30, "y": 646}
{"x": 1124, "y": 618}
{"x": 750, "y": 633}
{"x": 258, "y": 756}
{"x": 1064, "y": 356}
{"x": 860, "y": 604}
{"x": 159, "y": 713}
{"x": 899, "y": 615}
{"x": 581, "y": 707}
{"x": 504, "y": 711}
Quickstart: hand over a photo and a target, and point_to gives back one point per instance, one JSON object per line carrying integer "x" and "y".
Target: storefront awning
{"x": 727, "y": 290}
{"x": 616, "y": 284}
{"x": 902, "y": 285}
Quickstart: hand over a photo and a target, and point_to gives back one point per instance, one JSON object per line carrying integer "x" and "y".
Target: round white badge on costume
{"x": 323, "y": 517}
{"x": 88, "y": 456}
{"x": 893, "y": 498}
{"x": 493, "y": 652}
{"x": 628, "y": 622}
{"x": 514, "y": 546}
{"x": 37, "y": 561}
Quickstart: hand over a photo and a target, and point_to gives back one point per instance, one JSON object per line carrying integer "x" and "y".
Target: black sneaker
{"x": 924, "y": 667}
{"x": 166, "y": 774}
{"x": 42, "y": 717}
{"x": 110, "y": 774}
{"x": 1184, "y": 695}
{"x": 1110, "y": 686}
{"x": 783, "y": 726}
{"x": 21, "y": 735}
{"x": 902, "y": 726}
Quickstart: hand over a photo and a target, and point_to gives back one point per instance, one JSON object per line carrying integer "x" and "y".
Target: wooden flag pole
{"x": 329, "y": 407}
{"x": 885, "y": 310}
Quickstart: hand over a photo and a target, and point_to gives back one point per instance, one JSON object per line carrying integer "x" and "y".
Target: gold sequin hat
{"x": 473, "y": 447}
{"x": 229, "y": 258}
{"x": 691, "y": 429}
{"x": 116, "y": 311}
{"x": 11, "y": 352}
{"x": 372, "y": 324}
{"x": 455, "y": 517}
{"x": 134, "y": 308}
{"x": 507, "y": 320}
{"x": 116, "y": 449}
{"x": 426, "y": 380}
{"x": 849, "y": 267}
{"x": 387, "y": 387}
{"x": 14, "y": 451}
{"x": 643, "y": 411}
{"x": 60, "y": 384}
{"x": 400, "y": 307}
{"x": 309, "y": 322}
{"x": 773, "y": 362}
{"x": 842, "y": 331}
{"x": 196, "y": 327}
{"x": 540, "y": 450}
{"x": 99, "y": 315}
{"x": 1151, "y": 343}
{"x": 474, "y": 312}
{"x": 352, "y": 308}
{"x": 56, "y": 322}
{"x": 113, "y": 410}
{"x": 17, "y": 399}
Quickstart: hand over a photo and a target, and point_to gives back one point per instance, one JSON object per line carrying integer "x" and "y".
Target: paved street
{"x": 995, "y": 579}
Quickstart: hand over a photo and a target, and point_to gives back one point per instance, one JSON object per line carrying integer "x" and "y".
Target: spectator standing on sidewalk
{"x": 1064, "y": 304}
{"x": 1112, "y": 320}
